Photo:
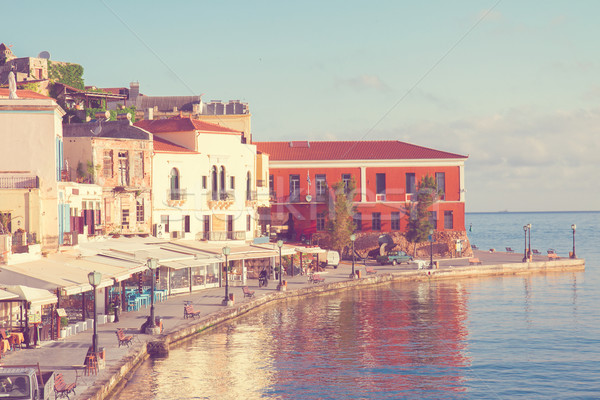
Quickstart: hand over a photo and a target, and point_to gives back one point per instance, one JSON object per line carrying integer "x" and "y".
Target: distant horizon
{"x": 529, "y": 212}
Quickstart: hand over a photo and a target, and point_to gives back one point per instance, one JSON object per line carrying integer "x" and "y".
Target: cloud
{"x": 522, "y": 160}
{"x": 362, "y": 83}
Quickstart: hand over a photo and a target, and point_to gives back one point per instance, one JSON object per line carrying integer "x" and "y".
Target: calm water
{"x": 511, "y": 337}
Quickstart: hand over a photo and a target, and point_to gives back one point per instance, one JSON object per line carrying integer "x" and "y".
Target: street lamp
{"x": 226, "y": 252}
{"x": 525, "y": 248}
{"x": 573, "y": 227}
{"x": 94, "y": 278}
{"x": 280, "y": 245}
{"x": 352, "y": 239}
{"x": 152, "y": 263}
{"x": 529, "y": 247}
{"x": 431, "y": 249}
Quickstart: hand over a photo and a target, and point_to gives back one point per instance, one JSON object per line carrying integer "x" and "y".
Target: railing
{"x": 321, "y": 197}
{"x": 251, "y": 196}
{"x": 177, "y": 194}
{"x": 261, "y": 183}
{"x": 19, "y": 182}
{"x": 221, "y": 195}
{"x": 224, "y": 235}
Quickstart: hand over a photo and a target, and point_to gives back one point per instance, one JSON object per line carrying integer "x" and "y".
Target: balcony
{"x": 19, "y": 182}
{"x": 177, "y": 194}
{"x": 219, "y": 200}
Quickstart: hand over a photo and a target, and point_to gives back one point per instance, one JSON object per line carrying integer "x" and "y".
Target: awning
{"x": 310, "y": 250}
{"x": 6, "y": 295}
{"x": 37, "y": 297}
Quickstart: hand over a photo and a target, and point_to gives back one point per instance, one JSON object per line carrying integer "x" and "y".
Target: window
{"x": 123, "y": 168}
{"x": 410, "y": 183}
{"x": 174, "y": 185}
{"x": 380, "y": 183}
{"x": 395, "y": 221}
{"x": 139, "y": 210}
{"x": 139, "y": 165}
{"x": 321, "y": 186}
{"x": 215, "y": 186}
{"x": 207, "y": 223}
{"x": 358, "y": 221}
{"x": 272, "y": 193}
{"x": 321, "y": 221}
{"x": 186, "y": 223}
{"x": 440, "y": 181}
{"x": 125, "y": 218}
{"x": 346, "y": 178}
{"x": 448, "y": 219}
{"x": 204, "y": 181}
{"x": 232, "y": 183}
{"x": 376, "y": 221}
{"x": 230, "y": 227}
{"x": 248, "y": 187}
{"x": 164, "y": 219}
{"x": 433, "y": 218}
{"x": 222, "y": 186}
{"x": 294, "y": 187}
{"x": 248, "y": 223}
{"x": 107, "y": 164}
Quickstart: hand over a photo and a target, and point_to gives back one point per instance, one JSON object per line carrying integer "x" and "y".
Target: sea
{"x": 531, "y": 336}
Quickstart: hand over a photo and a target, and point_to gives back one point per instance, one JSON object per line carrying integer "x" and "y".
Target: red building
{"x": 386, "y": 174}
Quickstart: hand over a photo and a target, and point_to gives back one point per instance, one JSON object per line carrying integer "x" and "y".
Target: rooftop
{"x": 350, "y": 150}
{"x": 181, "y": 124}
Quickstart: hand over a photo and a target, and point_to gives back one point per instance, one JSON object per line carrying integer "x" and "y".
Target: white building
{"x": 204, "y": 183}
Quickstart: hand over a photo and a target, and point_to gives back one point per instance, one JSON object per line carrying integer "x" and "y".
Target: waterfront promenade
{"x": 67, "y": 355}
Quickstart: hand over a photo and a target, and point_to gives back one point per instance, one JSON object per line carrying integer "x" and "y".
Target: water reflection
{"x": 384, "y": 342}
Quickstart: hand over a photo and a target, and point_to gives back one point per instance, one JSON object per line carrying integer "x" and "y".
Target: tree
{"x": 419, "y": 223}
{"x": 340, "y": 218}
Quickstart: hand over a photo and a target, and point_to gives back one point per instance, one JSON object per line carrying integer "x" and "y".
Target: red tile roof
{"x": 23, "y": 94}
{"x": 164, "y": 146}
{"x": 182, "y": 124}
{"x": 350, "y": 150}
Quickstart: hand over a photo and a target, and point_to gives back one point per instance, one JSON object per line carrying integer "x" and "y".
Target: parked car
{"x": 394, "y": 257}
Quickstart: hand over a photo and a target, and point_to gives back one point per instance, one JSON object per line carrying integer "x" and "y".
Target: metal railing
{"x": 19, "y": 182}
{"x": 225, "y": 235}
{"x": 221, "y": 195}
{"x": 177, "y": 194}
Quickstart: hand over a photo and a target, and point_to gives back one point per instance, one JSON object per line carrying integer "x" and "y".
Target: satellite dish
{"x": 44, "y": 54}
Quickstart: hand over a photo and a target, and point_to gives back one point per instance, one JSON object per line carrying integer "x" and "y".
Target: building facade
{"x": 386, "y": 175}
{"x": 116, "y": 156}
{"x": 204, "y": 181}
{"x": 31, "y": 166}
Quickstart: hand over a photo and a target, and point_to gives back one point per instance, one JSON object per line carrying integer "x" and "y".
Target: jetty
{"x": 67, "y": 355}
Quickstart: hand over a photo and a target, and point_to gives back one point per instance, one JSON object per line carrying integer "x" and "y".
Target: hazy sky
{"x": 515, "y": 85}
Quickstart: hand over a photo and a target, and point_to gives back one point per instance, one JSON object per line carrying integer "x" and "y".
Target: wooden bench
{"x": 474, "y": 260}
{"x": 509, "y": 250}
{"x": 247, "y": 292}
{"x": 553, "y": 256}
{"x": 316, "y": 278}
{"x": 188, "y": 312}
{"x": 122, "y": 338}
{"x": 61, "y": 389}
{"x": 536, "y": 252}
{"x": 370, "y": 270}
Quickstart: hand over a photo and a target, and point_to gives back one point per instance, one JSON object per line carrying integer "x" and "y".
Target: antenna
{"x": 44, "y": 54}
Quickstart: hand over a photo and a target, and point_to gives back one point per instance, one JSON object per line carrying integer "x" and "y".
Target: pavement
{"x": 67, "y": 355}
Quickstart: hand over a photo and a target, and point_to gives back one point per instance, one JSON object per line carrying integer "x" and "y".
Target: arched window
{"x": 215, "y": 186}
{"x": 174, "y": 184}
{"x": 222, "y": 182}
{"x": 249, "y": 186}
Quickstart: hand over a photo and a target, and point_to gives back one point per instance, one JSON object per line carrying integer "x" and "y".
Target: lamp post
{"x": 152, "y": 263}
{"x": 94, "y": 278}
{"x": 525, "y": 248}
{"x": 280, "y": 245}
{"x": 573, "y": 227}
{"x": 529, "y": 246}
{"x": 352, "y": 239}
{"x": 226, "y": 252}
{"x": 431, "y": 249}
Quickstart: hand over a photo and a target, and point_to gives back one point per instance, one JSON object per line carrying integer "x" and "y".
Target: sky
{"x": 513, "y": 85}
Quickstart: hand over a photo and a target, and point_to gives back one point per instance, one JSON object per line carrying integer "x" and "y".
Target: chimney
{"x": 149, "y": 114}
{"x": 134, "y": 90}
